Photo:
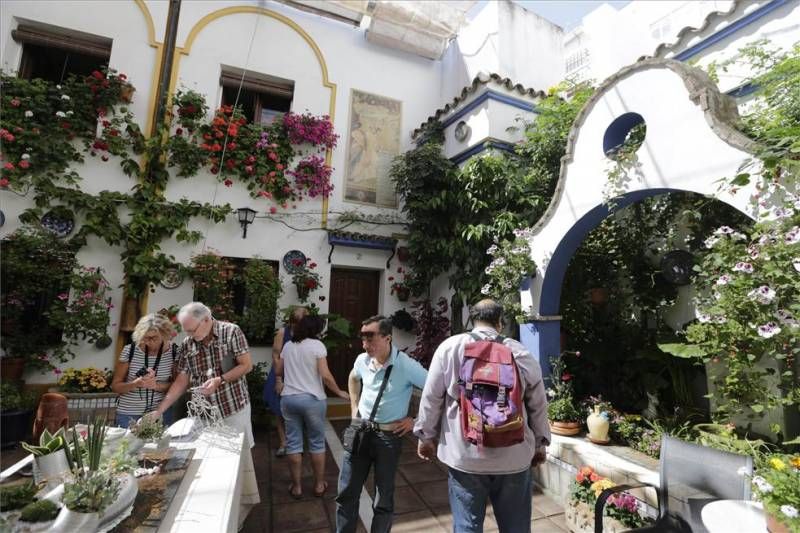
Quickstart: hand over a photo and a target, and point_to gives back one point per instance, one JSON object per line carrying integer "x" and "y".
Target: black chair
{"x": 691, "y": 476}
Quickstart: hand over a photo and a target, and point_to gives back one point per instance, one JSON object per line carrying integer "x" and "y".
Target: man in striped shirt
{"x": 215, "y": 358}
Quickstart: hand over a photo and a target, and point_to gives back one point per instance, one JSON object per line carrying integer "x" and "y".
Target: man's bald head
{"x": 487, "y": 312}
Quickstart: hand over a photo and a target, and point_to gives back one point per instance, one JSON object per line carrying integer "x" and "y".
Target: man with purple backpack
{"x": 484, "y": 402}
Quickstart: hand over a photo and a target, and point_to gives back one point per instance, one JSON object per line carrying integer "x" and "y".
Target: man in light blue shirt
{"x": 391, "y": 423}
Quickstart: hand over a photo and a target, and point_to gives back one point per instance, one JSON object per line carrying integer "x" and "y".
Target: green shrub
{"x": 39, "y": 511}
{"x": 16, "y": 496}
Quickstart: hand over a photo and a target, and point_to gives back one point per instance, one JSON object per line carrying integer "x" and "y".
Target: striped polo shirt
{"x": 218, "y": 354}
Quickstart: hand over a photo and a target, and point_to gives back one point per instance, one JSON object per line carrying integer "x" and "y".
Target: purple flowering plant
{"x": 748, "y": 316}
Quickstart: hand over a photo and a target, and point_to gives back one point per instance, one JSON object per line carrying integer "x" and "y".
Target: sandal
{"x": 321, "y": 493}
{"x": 293, "y": 495}
{"x": 280, "y": 452}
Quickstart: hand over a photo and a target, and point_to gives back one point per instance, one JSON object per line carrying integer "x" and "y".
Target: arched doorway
{"x": 690, "y": 145}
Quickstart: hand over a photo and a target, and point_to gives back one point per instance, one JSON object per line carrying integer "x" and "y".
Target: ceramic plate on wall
{"x": 172, "y": 279}
{"x": 59, "y": 222}
{"x": 290, "y": 258}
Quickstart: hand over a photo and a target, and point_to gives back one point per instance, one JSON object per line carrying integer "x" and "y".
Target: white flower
{"x": 780, "y": 212}
{"x": 25, "y": 156}
{"x": 724, "y": 279}
{"x": 793, "y": 235}
{"x": 711, "y": 241}
{"x": 500, "y": 261}
{"x": 762, "y": 484}
{"x": 753, "y": 251}
{"x": 69, "y": 113}
{"x": 492, "y": 249}
{"x": 60, "y": 114}
{"x": 489, "y": 269}
{"x": 789, "y": 511}
{"x": 796, "y": 263}
{"x": 64, "y": 97}
{"x": 703, "y": 318}
{"x": 741, "y": 266}
{"x": 28, "y": 113}
{"x": 58, "y": 87}
{"x": 768, "y": 330}
{"x": 520, "y": 250}
{"x": 736, "y": 236}
{"x": 486, "y": 289}
{"x": 762, "y": 295}
{"x": 723, "y": 230}
{"x": 786, "y": 318}
{"x": 551, "y": 393}
{"x": 720, "y": 319}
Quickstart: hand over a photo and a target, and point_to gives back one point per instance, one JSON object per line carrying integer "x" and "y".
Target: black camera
{"x": 142, "y": 372}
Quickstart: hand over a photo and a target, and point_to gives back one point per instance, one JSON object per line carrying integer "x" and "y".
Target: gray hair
{"x": 196, "y": 310}
{"x": 487, "y": 311}
{"x": 153, "y": 322}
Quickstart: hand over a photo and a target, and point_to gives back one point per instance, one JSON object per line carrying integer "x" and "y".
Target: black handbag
{"x": 357, "y": 437}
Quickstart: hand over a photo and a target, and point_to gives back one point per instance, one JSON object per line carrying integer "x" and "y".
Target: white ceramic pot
{"x": 128, "y": 489}
{"x": 51, "y": 469}
{"x": 69, "y": 521}
{"x": 598, "y": 427}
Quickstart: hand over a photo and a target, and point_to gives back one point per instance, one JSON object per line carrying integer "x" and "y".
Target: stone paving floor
{"x": 421, "y": 502}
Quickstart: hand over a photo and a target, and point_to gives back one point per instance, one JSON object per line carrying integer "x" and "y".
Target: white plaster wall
{"x": 531, "y": 48}
{"x": 277, "y": 50}
{"x": 476, "y": 48}
{"x": 508, "y": 122}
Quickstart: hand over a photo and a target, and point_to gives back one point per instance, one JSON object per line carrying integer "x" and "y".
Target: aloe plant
{"x": 48, "y": 443}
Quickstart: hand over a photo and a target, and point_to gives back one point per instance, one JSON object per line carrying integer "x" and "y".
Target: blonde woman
{"x": 143, "y": 373}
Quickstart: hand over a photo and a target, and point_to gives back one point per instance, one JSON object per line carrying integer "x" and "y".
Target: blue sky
{"x": 566, "y": 13}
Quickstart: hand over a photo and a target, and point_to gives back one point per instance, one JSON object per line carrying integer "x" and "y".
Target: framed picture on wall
{"x": 373, "y": 142}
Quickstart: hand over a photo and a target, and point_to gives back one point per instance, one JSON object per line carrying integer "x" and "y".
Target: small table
{"x": 734, "y": 516}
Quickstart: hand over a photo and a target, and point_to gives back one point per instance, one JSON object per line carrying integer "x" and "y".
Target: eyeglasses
{"x": 368, "y": 335}
{"x": 193, "y": 330}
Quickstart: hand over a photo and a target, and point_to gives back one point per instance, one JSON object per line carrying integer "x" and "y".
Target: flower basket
{"x": 85, "y": 407}
{"x": 579, "y": 517}
{"x": 403, "y": 294}
{"x": 302, "y": 292}
{"x": 565, "y": 428}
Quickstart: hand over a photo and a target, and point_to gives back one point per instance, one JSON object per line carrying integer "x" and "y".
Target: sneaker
{"x": 280, "y": 452}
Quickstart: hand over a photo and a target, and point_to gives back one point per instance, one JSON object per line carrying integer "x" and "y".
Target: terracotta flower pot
{"x": 598, "y": 295}
{"x": 565, "y": 428}
{"x": 775, "y": 526}
{"x": 12, "y": 368}
{"x": 402, "y": 294}
{"x": 51, "y": 414}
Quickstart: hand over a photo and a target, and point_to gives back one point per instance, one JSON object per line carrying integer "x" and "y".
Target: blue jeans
{"x": 385, "y": 456}
{"x": 510, "y": 495}
{"x": 304, "y": 408}
{"x": 123, "y": 420}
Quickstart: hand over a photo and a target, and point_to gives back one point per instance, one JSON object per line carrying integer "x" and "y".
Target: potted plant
{"x": 305, "y": 278}
{"x": 620, "y": 513}
{"x": 16, "y": 412}
{"x": 510, "y": 269}
{"x": 13, "y": 497}
{"x": 50, "y": 457}
{"x": 562, "y": 412}
{"x": 399, "y": 286}
{"x": 262, "y": 290}
{"x": 90, "y": 489}
{"x": 88, "y": 393}
{"x": 599, "y": 419}
{"x": 210, "y": 274}
{"x": 151, "y": 432}
{"x": 777, "y": 486}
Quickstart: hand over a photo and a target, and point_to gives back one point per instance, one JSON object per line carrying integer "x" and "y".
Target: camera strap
{"x": 150, "y": 395}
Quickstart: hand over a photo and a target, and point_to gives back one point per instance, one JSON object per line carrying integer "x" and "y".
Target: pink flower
{"x": 273, "y": 209}
{"x": 566, "y": 376}
{"x": 15, "y": 102}
{"x": 228, "y": 183}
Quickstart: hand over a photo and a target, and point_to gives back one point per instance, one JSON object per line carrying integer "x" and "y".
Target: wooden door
{"x": 354, "y": 296}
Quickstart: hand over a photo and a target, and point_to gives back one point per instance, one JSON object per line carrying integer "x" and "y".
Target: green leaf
{"x": 757, "y": 408}
{"x": 684, "y": 351}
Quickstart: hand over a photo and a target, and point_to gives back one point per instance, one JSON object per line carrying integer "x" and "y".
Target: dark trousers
{"x": 385, "y": 455}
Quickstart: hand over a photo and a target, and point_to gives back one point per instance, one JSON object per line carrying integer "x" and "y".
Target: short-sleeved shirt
{"x": 140, "y": 401}
{"x": 226, "y": 345}
{"x": 406, "y": 375}
{"x": 300, "y": 372}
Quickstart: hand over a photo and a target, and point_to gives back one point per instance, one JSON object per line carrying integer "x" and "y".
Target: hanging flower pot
{"x": 302, "y": 292}
{"x": 402, "y": 294}
{"x": 403, "y": 254}
{"x": 126, "y": 93}
{"x": 598, "y": 295}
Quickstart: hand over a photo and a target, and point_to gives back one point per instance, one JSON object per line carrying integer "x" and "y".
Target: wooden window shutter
{"x": 259, "y": 84}
{"x": 30, "y": 35}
